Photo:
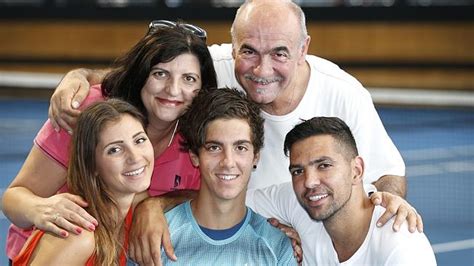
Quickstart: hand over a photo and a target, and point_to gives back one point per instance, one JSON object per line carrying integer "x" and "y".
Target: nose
{"x": 173, "y": 87}
{"x": 264, "y": 67}
{"x": 228, "y": 160}
{"x": 311, "y": 179}
{"x": 132, "y": 155}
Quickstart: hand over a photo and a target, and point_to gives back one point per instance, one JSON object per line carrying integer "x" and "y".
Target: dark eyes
{"x": 324, "y": 165}
{"x": 214, "y": 148}
{"x": 296, "y": 172}
{"x": 160, "y": 74}
{"x": 242, "y": 148}
{"x": 116, "y": 149}
{"x": 190, "y": 79}
{"x": 299, "y": 171}
{"x": 140, "y": 140}
{"x": 113, "y": 150}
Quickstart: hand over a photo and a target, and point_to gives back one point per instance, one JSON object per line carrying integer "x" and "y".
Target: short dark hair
{"x": 163, "y": 45}
{"x": 316, "y": 126}
{"x": 223, "y": 103}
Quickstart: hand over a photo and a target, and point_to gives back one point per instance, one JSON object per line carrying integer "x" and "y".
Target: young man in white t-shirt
{"x": 328, "y": 205}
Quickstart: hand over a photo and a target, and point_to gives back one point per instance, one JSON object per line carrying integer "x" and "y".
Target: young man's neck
{"x": 215, "y": 213}
{"x": 348, "y": 228}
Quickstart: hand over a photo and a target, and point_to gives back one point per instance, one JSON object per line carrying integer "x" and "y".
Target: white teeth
{"x": 318, "y": 197}
{"x": 135, "y": 172}
{"x": 227, "y": 177}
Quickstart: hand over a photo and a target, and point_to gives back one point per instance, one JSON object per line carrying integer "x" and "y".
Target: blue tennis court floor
{"x": 437, "y": 145}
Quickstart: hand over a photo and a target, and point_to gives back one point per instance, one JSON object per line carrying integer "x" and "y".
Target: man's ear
{"x": 234, "y": 52}
{"x": 304, "y": 50}
{"x": 194, "y": 159}
{"x": 256, "y": 158}
{"x": 358, "y": 170}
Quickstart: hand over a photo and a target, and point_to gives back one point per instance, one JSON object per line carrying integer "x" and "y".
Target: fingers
{"x": 419, "y": 223}
{"x": 293, "y": 235}
{"x": 414, "y": 221}
{"x": 53, "y": 228}
{"x": 63, "y": 226}
{"x": 66, "y": 99}
{"x": 67, "y": 120}
{"x": 395, "y": 205}
{"x": 168, "y": 246}
{"x": 51, "y": 116}
{"x": 376, "y": 198}
{"x": 63, "y": 213}
{"x": 133, "y": 249}
{"x": 274, "y": 222}
{"x": 78, "y": 215}
{"x": 401, "y": 217}
{"x": 79, "y": 95}
{"x": 297, "y": 251}
{"x": 148, "y": 231}
{"x": 144, "y": 252}
{"x": 61, "y": 115}
{"x": 386, "y": 216}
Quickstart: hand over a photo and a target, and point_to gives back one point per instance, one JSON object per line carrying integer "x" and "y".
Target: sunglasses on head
{"x": 156, "y": 24}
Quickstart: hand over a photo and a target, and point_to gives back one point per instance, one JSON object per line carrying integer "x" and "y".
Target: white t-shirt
{"x": 331, "y": 92}
{"x": 382, "y": 246}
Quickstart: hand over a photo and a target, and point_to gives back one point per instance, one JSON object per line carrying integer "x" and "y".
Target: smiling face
{"x": 267, "y": 48}
{"x": 226, "y": 160}
{"x": 171, "y": 87}
{"x": 124, "y": 156}
{"x": 322, "y": 176}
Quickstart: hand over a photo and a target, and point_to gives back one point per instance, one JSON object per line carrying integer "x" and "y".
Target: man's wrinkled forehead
{"x": 269, "y": 26}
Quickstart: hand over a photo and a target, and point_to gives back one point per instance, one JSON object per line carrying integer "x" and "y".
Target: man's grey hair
{"x": 296, "y": 9}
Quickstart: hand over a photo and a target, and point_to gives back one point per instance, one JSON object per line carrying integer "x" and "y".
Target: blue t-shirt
{"x": 256, "y": 242}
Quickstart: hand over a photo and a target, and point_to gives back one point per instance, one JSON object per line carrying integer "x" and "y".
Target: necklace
{"x": 174, "y": 132}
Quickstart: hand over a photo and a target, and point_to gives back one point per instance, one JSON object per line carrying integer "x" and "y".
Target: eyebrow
{"x": 167, "y": 71}
{"x": 121, "y": 141}
{"x": 246, "y": 46}
{"x": 275, "y": 49}
{"x": 281, "y": 48}
{"x": 312, "y": 162}
{"x": 237, "y": 142}
{"x": 158, "y": 68}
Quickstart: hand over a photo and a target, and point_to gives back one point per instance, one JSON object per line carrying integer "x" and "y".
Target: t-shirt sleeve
{"x": 380, "y": 155}
{"x": 276, "y": 201}
{"x": 56, "y": 145}
{"x": 417, "y": 251}
{"x": 224, "y": 65}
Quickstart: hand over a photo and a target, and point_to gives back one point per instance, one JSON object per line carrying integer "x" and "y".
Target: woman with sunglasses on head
{"x": 111, "y": 160}
{"x": 160, "y": 76}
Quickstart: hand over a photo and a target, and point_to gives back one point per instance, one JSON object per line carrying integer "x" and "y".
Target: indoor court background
{"x": 415, "y": 59}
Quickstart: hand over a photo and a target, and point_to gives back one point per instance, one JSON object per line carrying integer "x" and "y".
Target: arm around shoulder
{"x": 69, "y": 95}
{"x": 39, "y": 177}
{"x": 394, "y": 184}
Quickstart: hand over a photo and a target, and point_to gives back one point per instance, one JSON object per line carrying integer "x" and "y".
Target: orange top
{"x": 24, "y": 257}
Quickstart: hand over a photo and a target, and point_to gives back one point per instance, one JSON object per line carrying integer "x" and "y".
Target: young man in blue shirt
{"x": 223, "y": 132}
